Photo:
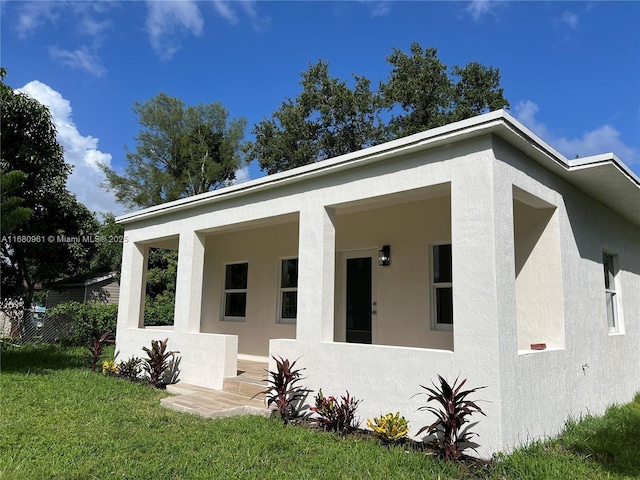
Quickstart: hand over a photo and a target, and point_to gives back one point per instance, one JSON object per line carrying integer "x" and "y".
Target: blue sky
{"x": 571, "y": 70}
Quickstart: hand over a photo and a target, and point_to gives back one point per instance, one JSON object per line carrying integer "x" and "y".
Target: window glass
{"x": 289, "y": 277}
{"x": 288, "y": 309}
{"x": 441, "y": 263}
{"x": 442, "y": 293}
{"x": 236, "y": 276}
{"x": 235, "y": 291}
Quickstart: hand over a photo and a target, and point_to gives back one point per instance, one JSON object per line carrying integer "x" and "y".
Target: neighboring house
{"x": 94, "y": 287}
{"x": 453, "y": 251}
{"x": 102, "y": 287}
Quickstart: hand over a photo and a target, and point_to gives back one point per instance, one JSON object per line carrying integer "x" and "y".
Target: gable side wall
{"x": 595, "y": 369}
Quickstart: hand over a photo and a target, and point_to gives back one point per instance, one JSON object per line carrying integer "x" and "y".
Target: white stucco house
{"x": 455, "y": 251}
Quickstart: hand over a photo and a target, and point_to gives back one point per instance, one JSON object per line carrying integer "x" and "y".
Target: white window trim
{"x": 616, "y": 328}
{"x": 281, "y": 290}
{"x": 433, "y": 286}
{"x": 229, "y": 318}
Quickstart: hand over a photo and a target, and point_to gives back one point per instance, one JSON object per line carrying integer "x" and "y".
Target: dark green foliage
{"x": 451, "y": 440}
{"x": 108, "y": 256}
{"x": 337, "y": 416}
{"x": 180, "y": 151}
{"x": 97, "y": 347}
{"x": 157, "y": 362}
{"x": 161, "y": 286}
{"x": 13, "y": 213}
{"x": 420, "y": 89}
{"x": 327, "y": 119}
{"x": 283, "y": 389}
{"x": 130, "y": 368}
{"x": 79, "y": 321}
{"x": 330, "y": 117}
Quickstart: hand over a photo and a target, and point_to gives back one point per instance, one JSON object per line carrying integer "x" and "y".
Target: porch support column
{"x": 316, "y": 274}
{"x": 188, "y": 304}
{"x": 132, "y": 285}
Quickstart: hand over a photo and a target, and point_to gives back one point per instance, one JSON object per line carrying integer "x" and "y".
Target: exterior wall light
{"x": 384, "y": 256}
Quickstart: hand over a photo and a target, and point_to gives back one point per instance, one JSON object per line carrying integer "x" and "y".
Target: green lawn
{"x": 60, "y": 420}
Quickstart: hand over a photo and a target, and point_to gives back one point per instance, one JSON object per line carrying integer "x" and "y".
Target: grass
{"x": 60, "y": 420}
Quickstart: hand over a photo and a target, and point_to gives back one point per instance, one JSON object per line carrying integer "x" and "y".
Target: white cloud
{"x": 81, "y": 58}
{"x": 167, "y": 21}
{"x": 378, "y": 8}
{"x": 33, "y": 14}
{"x": 79, "y": 151}
{"x": 261, "y": 23}
{"x": 570, "y": 19}
{"x": 223, "y": 8}
{"x": 481, "y": 8}
{"x": 603, "y": 139}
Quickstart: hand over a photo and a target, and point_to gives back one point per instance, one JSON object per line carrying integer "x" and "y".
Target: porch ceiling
{"x": 262, "y": 222}
{"x": 407, "y": 196}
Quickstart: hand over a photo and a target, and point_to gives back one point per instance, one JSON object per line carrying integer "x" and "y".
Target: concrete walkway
{"x": 234, "y": 399}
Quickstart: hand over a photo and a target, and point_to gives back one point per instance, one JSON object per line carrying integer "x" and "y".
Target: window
{"x": 235, "y": 291}
{"x": 441, "y": 295}
{"x": 610, "y": 269}
{"x": 288, "y": 308}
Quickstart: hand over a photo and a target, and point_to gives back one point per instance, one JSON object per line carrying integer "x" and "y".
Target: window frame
{"x": 435, "y": 286}
{"x": 614, "y": 316}
{"x": 281, "y": 290}
{"x": 226, "y": 291}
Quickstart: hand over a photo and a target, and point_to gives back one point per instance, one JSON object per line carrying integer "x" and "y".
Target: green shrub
{"x": 159, "y": 310}
{"x": 80, "y": 321}
{"x": 389, "y": 428}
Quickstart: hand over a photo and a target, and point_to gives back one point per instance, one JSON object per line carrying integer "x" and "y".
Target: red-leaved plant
{"x": 158, "y": 361}
{"x": 96, "y": 348}
{"x": 334, "y": 415}
{"x": 283, "y": 389}
{"x": 451, "y": 439}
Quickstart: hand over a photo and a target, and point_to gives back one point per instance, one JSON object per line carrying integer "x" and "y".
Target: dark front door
{"x": 359, "y": 301}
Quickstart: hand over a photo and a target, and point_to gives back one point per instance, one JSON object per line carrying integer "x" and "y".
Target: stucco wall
{"x": 595, "y": 369}
{"x": 263, "y": 248}
{"x": 402, "y": 293}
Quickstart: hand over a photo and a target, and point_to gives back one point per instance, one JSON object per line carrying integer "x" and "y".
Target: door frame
{"x": 340, "y": 330}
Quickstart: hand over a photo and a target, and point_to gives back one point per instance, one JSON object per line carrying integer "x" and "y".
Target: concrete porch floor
{"x": 234, "y": 399}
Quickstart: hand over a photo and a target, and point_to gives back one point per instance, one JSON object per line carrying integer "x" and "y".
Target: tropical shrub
{"x": 453, "y": 412}
{"x": 283, "y": 389}
{"x": 389, "y": 428}
{"x": 97, "y": 347}
{"x": 130, "y": 369}
{"x": 337, "y": 415}
{"x": 78, "y": 321}
{"x": 157, "y": 362}
{"x": 109, "y": 368}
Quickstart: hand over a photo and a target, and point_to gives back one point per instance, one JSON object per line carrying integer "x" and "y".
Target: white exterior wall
{"x": 527, "y": 395}
{"x": 540, "y": 390}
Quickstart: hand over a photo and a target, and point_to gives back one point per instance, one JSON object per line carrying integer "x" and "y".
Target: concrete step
{"x": 211, "y": 403}
{"x": 244, "y": 386}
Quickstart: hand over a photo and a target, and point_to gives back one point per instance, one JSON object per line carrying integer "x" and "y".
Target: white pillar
{"x": 133, "y": 278}
{"x": 188, "y": 304}
{"x": 316, "y": 274}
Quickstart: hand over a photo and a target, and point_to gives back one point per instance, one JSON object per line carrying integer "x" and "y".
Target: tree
{"x": 109, "y": 238}
{"x": 327, "y": 119}
{"x": 12, "y": 213}
{"x": 46, "y": 244}
{"x": 181, "y": 151}
{"x": 426, "y": 97}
